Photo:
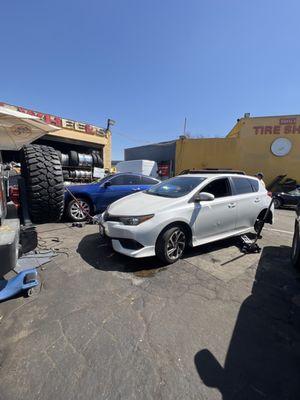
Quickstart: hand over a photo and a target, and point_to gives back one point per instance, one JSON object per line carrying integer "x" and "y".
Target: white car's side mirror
{"x": 203, "y": 196}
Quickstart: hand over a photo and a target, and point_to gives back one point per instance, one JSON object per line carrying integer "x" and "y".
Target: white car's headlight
{"x": 135, "y": 220}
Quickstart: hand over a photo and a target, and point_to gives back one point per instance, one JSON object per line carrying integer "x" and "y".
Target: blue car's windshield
{"x": 176, "y": 187}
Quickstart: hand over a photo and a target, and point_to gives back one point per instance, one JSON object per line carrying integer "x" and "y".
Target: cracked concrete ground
{"x": 216, "y": 325}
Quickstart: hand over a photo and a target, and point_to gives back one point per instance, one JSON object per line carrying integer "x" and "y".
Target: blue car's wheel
{"x": 78, "y": 211}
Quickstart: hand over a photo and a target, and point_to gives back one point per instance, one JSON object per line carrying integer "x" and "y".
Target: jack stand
{"x": 24, "y": 281}
{"x": 249, "y": 246}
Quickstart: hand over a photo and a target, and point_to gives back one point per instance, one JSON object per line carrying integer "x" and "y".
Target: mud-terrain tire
{"x": 42, "y": 171}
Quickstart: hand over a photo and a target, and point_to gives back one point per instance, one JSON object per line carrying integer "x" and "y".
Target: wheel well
{"x": 183, "y": 225}
{"x": 269, "y": 219}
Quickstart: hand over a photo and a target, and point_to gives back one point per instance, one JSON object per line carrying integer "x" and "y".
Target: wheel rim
{"x": 176, "y": 244}
{"x": 79, "y": 212}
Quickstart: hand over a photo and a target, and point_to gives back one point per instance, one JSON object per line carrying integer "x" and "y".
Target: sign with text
{"x": 286, "y": 126}
{"x": 60, "y": 122}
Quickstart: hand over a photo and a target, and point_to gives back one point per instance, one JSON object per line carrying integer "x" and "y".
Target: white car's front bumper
{"x": 142, "y": 237}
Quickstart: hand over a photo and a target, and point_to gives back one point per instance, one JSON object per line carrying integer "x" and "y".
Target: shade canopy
{"x": 18, "y": 129}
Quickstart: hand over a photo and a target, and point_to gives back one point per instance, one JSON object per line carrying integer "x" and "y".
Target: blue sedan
{"x": 95, "y": 197}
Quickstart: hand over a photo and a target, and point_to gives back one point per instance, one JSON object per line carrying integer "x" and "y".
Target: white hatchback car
{"x": 187, "y": 210}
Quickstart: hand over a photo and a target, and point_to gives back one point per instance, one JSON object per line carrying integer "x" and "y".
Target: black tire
{"x": 100, "y": 161}
{"x": 277, "y": 203}
{"x": 73, "y": 158}
{"x": 66, "y": 175}
{"x": 59, "y": 155}
{"x": 163, "y": 243}
{"x": 295, "y": 254}
{"x": 73, "y": 211}
{"x": 257, "y": 226}
{"x": 42, "y": 171}
{"x": 94, "y": 157}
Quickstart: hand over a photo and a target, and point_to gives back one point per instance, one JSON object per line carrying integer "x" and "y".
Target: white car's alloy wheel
{"x": 176, "y": 244}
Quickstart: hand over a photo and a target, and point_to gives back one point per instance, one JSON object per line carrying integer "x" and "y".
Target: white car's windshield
{"x": 176, "y": 187}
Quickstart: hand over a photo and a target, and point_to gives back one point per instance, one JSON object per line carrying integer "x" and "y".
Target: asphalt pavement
{"x": 216, "y": 325}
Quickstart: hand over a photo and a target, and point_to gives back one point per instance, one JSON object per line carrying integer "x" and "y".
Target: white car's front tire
{"x": 171, "y": 244}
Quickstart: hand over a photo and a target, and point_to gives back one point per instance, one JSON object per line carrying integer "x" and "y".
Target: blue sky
{"x": 148, "y": 64}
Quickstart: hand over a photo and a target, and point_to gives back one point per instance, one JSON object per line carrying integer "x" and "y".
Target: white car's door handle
{"x": 257, "y": 200}
{"x": 231, "y": 205}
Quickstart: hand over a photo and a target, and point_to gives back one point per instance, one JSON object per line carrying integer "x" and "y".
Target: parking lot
{"x": 216, "y": 325}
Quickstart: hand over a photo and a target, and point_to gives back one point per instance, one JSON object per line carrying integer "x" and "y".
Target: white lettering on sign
{"x": 287, "y": 121}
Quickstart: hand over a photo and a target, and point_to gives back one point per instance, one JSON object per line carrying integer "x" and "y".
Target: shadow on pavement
{"x": 263, "y": 358}
{"x": 100, "y": 255}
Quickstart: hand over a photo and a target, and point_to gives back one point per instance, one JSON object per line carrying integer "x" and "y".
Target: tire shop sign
{"x": 285, "y": 126}
{"x": 60, "y": 122}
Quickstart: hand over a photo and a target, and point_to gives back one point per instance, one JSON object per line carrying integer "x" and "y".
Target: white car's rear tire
{"x": 171, "y": 244}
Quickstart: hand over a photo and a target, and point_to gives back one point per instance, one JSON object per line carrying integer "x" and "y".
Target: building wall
{"x": 247, "y": 147}
{"x": 206, "y": 153}
{"x": 156, "y": 152}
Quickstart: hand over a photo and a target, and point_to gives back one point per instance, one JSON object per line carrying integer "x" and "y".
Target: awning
{"x": 18, "y": 129}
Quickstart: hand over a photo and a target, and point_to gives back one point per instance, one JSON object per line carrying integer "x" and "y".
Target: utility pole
{"x": 184, "y": 126}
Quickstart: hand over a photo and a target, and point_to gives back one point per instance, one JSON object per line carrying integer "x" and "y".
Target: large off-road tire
{"x": 42, "y": 171}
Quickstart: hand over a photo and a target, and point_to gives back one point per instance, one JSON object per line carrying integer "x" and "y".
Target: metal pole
{"x": 184, "y": 126}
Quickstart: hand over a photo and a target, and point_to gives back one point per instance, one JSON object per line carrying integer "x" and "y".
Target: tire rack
{"x": 88, "y": 168}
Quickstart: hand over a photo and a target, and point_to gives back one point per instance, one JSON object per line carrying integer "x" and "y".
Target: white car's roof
{"x": 219, "y": 175}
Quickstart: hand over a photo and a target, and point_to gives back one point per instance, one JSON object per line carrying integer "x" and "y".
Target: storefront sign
{"x": 277, "y": 129}
{"x": 60, "y": 122}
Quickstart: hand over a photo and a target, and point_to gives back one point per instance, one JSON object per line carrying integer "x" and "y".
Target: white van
{"x": 144, "y": 167}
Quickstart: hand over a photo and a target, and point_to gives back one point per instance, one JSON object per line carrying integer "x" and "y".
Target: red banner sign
{"x": 60, "y": 122}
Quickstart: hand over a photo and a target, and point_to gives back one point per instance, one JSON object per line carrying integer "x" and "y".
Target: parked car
{"x": 95, "y": 197}
{"x": 290, "y": 198}
{"x": 188, "y": 210}
{"x": 295, "y": 253}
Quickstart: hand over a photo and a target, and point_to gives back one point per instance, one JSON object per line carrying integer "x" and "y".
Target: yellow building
{"x": 255, "y": 144}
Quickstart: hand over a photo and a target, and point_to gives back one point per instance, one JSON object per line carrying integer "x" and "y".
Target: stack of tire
{"x": 42, "y": 171}
{"x": 78, "y": 160}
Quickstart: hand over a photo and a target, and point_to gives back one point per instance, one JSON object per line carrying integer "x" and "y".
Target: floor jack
{"x": 24, "y": 281}
{"x": 251, "y": 246}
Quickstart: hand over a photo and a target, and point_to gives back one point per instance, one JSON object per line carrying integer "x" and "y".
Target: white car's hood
{"x": 140, "y": 204}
